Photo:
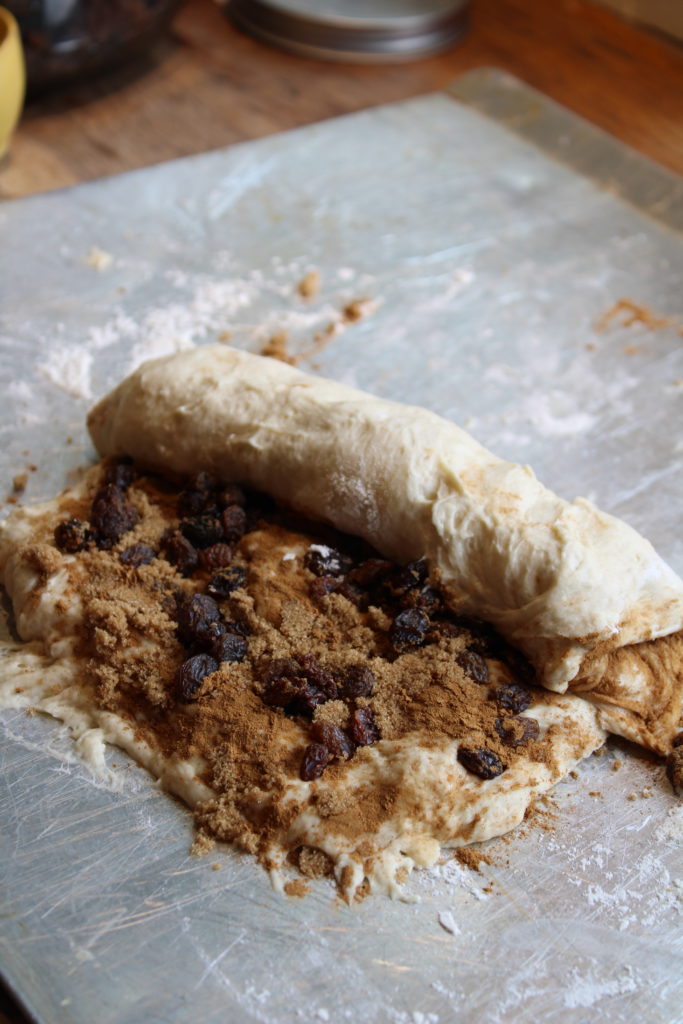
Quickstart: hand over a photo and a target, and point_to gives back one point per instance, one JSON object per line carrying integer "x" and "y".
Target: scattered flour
{"x": 585, "y": 990}
{"x": 671, "y": 829}
{"x": 69, "y": 368}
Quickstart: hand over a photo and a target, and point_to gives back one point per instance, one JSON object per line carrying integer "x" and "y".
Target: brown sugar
{"x": 276, "y": 348}
{"x": 472, "y": 857}
{"x": 296, "y": 888}
{"x": 626, "y": 313}
{"x": 309, "y": 285}
{"x": 249, "y": 748}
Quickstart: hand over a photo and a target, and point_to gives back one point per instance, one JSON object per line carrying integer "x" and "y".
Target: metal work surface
{"x": 488, "y": 265}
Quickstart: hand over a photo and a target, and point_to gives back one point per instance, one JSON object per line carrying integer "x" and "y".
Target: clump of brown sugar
{"x": 276, "y": 348}
{"x": 472, "y": 857}
{"x": 296, "y": 888}
{"x": 309, "y": 285}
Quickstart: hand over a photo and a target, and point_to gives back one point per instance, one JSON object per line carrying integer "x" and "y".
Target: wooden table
{"x": 207, "y": 85}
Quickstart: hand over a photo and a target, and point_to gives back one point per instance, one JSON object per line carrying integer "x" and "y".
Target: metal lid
{"x": 354, "y": 30}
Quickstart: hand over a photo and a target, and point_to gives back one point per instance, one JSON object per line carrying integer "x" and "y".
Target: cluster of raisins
{"x": 212, "y": 518}
{"x": 299, "y": 685}
{"x": 419, "y": 616}
{"x": 209, "y": 641}
{"x": 111, "y": 514}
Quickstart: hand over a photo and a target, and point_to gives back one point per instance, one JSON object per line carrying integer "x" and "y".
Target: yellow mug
{"x": 12, "y": 77}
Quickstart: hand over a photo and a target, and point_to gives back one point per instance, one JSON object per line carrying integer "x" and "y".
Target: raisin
{"x": 357, "y": 681}
{"x": 193, "y": 503}
{"x": 229, "y": 647}
{"x": 324, "y": 561}
{"x": 120, "y": 474}
{"x": 260, "y": 507}
{"x": 363, "y": 729}
{"x": 137, "y": 554}
{"x": 233, "y": 522}
{"x": 202, "y": 531}
{"x": 231, "y": 494}
{"x": 370, "y": 572}
{"x": 223, "y": 583}
{"x": 674, "y": 770}
{"x": 408, "y": 577}
{"x": 72, "y": 535}
{"x": 322, "y": 586}
{"x": 427, "y": 598}
{"x": 445, "y": 629}
{"x": 282, "y": 684}
{"x": 315, "y": 760}
{"x": 474, "y": 666}
{"x": 512, "y": 697}
{"x": 408, "y": 629}
{"x": 519, "y": 665}
{"x": 198, "y": 619}
{"x": 111, "y": 516}
{"x": 515, "y": 732}
{"x": 203, "y": 481}
{"x": 481, "y": 761}
{"x": 218, "y": 556}
{"x": 179, "y": 552}
{"x": 299, "y": 684}
{"x": 332, "y": 737}
{"x": 237, "y": 626}
{"x": 316, "y": 675}
{"x": 193, "y": 672}
{"x": 353, "y": 593}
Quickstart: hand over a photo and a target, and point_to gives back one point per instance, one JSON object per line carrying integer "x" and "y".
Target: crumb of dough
{"x": 309, "y": 285}
{"x": 617, "y": 764}
{"x": 19, "y": 482}
{"x": 296, "y": 888}
{"x": 632, "y": 796}
{"x": 216, "y": 866}
{"x": 98, "y": 259}
{"x": 276, "y": 348}
{"x": 646, "y": 792}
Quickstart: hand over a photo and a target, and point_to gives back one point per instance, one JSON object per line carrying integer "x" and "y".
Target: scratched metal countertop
{"x": 491, "y": 230}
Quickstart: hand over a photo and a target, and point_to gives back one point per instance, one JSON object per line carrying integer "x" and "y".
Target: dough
{"x": 582, "y": 594}
{"x": 95, "y": 627}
